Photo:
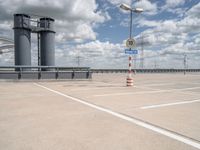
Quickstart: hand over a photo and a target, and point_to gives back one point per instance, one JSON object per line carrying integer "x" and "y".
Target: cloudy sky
{"x": 94, "y": 32}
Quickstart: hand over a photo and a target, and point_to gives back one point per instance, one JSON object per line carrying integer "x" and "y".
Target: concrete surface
{"x": 37, "y": 118}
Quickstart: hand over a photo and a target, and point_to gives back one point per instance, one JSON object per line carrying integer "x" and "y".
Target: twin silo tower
{"x": 24, "y": 25}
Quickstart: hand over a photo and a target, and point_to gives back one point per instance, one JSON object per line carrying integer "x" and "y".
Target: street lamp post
{"x": 136, "y": 10}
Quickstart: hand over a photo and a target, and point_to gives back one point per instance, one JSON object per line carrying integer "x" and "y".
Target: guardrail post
{"x": 88, "y": 74}
{"x": 20, "y": 73}
{"x": 39, "y": 72}
{"x": 56, "y": 73}
{"x": 73, "y": 74}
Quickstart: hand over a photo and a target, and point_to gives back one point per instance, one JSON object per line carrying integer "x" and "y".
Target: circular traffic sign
{"x": 130, "y": 43}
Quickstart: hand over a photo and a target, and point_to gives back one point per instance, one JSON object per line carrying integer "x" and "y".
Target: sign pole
{"x": 129, "y": 79}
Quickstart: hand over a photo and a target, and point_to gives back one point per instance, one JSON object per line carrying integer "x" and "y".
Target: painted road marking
{"x": 192, "y": 88}
{"x": 157, "y": 84}
{"x": 136, "y": 121}
{"x": 169, "y": 104}
{"x": 148, "y": 88}
{"x": 180, "y": 91}
{"x": 146, "y": 92}
{"x": 97, "y": 88}
{"x": 164, "y": 83}
{"x": 128, "y": 93}
{"x": 107, "y": 83}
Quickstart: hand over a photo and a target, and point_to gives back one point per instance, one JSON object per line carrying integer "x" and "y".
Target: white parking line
{"x": 146, "y": 92}
{"x": 179, "y": 91}
{"x": 157, "y": 84}
{"x": 192, "y": 88}
{"x": 165, "y": 83}
{"x": 96, "y": 88}
{"x": 131, "y": 119}
{"x": 129, "y": 93}
{"x": 169, "y": 104}
{"x": 107, "y": 83}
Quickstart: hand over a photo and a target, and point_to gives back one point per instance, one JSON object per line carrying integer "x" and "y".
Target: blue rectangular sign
{"x": 128, "y": 51}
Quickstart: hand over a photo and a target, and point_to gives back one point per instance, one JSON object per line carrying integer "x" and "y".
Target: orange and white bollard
{"x": 129, "y": 80}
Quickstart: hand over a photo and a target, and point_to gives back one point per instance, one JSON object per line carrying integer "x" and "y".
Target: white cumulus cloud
{"x": 74, "y": 20}
{"x": 149, "y": 7}
{"x": 174, "y": 3}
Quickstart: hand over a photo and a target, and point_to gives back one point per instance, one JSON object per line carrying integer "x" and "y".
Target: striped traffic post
{"x": 129, "y": 80}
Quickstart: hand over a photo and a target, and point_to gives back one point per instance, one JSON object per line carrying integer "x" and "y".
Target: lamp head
{"x": 138, "y": 10}
{"x": 125, "y": 7}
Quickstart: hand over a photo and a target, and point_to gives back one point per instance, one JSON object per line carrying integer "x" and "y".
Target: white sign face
{"x": 130, "y": 43}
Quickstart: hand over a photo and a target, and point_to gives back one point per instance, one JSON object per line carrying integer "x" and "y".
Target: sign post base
{"x": 129, "y": 81}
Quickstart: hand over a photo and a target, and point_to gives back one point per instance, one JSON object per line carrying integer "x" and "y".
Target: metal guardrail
{"x": 52, "y": 72}
{"x": 144, "y": 70}
{"x": 44, "y": 72}
{"x": 49, "y": 67}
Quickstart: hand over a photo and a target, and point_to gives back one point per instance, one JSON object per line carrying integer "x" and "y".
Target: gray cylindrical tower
{"x": 22, "y": 38}
{"x": 47, "y": 42}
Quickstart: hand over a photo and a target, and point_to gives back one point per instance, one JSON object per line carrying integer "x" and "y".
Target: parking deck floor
{"x": 161, "y": 111}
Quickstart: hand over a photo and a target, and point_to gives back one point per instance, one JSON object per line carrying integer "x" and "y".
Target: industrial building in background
{"x": 24, "y": 25}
